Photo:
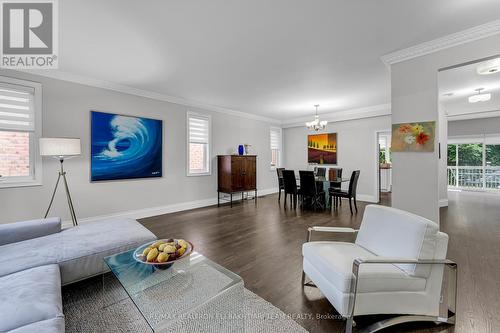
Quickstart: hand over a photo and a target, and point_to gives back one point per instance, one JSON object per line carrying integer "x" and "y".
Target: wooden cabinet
{"x": 236, "y": 173}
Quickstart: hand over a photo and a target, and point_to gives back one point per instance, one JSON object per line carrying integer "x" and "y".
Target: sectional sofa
{"x": 38, "y": 257}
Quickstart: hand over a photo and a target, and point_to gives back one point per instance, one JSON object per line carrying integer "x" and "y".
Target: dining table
{"x": 324, "y": 182}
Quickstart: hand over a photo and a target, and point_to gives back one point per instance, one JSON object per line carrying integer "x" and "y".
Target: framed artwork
{"x": 413, "y": 137}
{"x": 125, "y": 147}
{"x": 322, "y": 148}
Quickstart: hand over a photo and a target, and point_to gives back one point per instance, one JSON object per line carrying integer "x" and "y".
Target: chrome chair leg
{"x": 383, "y": 324}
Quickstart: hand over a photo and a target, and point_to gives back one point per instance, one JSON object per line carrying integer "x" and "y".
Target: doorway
{"x": 384, "y": 166}
{"x": 469, "y": 96}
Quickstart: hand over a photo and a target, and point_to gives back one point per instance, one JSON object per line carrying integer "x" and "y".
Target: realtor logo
{"x": 29, "y": 34}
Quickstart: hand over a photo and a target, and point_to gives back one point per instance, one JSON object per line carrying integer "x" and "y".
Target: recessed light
{"x": 448, "y": 94}
{"x": 479, "y": 97}
{"x": 489, "y": 67}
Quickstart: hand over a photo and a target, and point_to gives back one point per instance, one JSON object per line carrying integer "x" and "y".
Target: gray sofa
{"x": 37, "y": 257}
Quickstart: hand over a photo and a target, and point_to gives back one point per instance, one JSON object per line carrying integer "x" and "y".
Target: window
{"x": 474, "y": 163}
{"x": 20, "y": 124}
{"x": 198, "y": 155}
{"x": 275, "y": 134}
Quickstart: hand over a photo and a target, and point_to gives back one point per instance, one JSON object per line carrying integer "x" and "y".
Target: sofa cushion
{"x": 27, "y": 254}
{"x": 79, "y": 251}
{"x": 54, "y": 325}
{"x": 19, "y": 231}
{"x": 84, "y": 247}
{"x": 334, "y": 261}
{"x": 30, "y": 296}
{"x": 394, "y": 233}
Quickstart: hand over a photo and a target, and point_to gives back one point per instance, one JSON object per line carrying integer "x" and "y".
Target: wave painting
{"x": 125, "y": 147}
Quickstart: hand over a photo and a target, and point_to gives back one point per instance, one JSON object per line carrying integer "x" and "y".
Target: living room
{"x": 249, "y": 166}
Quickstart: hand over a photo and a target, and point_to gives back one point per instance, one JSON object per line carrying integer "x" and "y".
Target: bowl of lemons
{"x": 163, "y": 253}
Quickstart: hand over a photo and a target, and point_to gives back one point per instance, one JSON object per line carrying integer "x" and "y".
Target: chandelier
{"x": 316, "y": 124}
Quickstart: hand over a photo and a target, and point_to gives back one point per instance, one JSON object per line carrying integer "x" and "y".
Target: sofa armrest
{"x": 20, "y": 231}
{"x": 338, "y": 230}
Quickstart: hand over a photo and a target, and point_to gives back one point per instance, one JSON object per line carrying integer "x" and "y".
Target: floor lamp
{"x": 61, "y": 148}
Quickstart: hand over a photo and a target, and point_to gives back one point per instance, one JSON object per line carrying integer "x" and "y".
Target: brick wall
{"x": 14, "y": 154}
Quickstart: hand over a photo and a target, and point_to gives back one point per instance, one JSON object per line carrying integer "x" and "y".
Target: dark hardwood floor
{"x": 262, "y": 243}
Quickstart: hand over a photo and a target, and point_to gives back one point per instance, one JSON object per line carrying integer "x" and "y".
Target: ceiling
{"x": 270, "y": 58}
{"x": 462, "y": 83}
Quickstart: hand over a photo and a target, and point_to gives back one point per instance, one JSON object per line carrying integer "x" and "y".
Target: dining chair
{"x": 309, "y": 190}
{"x": 290, "y": 184}
{"x": 334, "y": 173}
{"x": 350, "y": 194}
{"x": 321, "y": 172}
{"x": 281, "y": 182}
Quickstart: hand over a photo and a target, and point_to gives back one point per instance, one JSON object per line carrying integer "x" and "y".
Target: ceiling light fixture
{"x": 316, "y": 124}
{"x": 479, "y": 97}
{"x": 489, "y": 67}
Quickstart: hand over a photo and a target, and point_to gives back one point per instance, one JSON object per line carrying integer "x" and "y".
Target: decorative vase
{"x": 247, "y": 149}
{"x": 241, "y": 150}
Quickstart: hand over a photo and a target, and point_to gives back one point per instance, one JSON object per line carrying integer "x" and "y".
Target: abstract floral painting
{"x": 322, "y": 148}
{"x": 415, "y": 137}
{"x": 125, "y": 147}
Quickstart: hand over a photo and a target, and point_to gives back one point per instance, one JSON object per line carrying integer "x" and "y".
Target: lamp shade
{"x": 60, "y": 147}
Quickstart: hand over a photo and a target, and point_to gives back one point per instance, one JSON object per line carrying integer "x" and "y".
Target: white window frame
{"x": 280, "y": 148}
{"x": 35, "y": 178}
{"x": 190, "y": 114}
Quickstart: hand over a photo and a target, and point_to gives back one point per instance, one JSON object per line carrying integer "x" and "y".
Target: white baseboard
{"x": 160, "y": 210}
{"x": 443, "y": 203}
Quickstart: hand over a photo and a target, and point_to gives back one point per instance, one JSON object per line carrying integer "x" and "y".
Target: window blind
{"x": 198, "y": 129}
{"x": 17, "y": 110}
{"x": 275, "y": 138}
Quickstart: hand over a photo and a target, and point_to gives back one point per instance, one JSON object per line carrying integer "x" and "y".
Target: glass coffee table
{"x": 193, "y": 295}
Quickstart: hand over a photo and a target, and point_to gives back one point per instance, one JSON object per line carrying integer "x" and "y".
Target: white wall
{"x": 356, "y": 150}
{"x": 414, "y": 98}
{"x": 443, "y": 161}
{"x": 66, "y": 112}
{"x": 474, "y": 127}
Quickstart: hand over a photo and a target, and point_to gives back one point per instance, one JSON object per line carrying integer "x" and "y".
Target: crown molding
{"x": 343, "y": 115}
{"x": 455, "y": 39}
{"x": 474, "y": 115}
{"x": 92, "y": 82}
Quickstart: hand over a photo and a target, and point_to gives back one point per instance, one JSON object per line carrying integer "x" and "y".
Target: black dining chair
{"x": 350, "y": 194}
{"x": 335, "y": 173}
{"x": 332, "y": 174}
{"x": 281, "y": 182}
{"x": 309, "y": 190}
{"x": 321, "y": 172}
{"x": 290, "y": 184}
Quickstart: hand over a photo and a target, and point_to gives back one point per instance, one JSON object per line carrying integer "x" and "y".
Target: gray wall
{"x": 357, "y": 144}
{"x": 66, "y": 112}
{"x": 415, "y": 98}
{"x": 474, "y": 126}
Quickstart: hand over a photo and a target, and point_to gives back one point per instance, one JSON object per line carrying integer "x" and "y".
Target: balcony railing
{"x": 472, "y": 177}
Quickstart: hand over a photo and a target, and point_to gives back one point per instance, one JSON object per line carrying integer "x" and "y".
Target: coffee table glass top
{"x": 165, "y": 296}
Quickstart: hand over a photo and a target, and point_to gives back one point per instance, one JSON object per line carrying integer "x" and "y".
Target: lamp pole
{"x": 62, "y": 174}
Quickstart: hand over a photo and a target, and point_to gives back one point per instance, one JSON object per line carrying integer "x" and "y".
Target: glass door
{"x": 474, "y": 165}
{"x": 470, "y": 165}
{"x": 492, "y": 166}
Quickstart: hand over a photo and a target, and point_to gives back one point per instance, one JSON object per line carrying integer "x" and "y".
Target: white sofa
{"x": 37, "y": 257}
{"x": 395, "y": 266}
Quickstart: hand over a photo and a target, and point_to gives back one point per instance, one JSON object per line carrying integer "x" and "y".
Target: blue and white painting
{"x": 125, "y": 147}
